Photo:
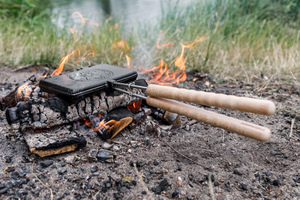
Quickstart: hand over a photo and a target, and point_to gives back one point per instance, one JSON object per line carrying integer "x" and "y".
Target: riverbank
{"x": 242, "y": 40}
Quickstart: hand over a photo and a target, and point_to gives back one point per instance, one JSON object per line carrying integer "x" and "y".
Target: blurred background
{"x": 246, "y": 39}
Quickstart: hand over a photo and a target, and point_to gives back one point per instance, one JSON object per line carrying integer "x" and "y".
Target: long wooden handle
{"x": 228, "y": 123}
{"x": 231, "y": 102}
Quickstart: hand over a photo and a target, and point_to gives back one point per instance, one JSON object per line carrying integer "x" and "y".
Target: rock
{"x": 94, "y": 168}
{"x": 237, "y": 172}
{"x": 296, "y": 179}
{"x": 117, "y": 195}
{"x": 8, "y": 159}
{"x": 176, "y": 193}
{"x": 243, "y": 186}
{"x": 116, "y": 147}
{"x": 276, "y": 182}
{"x": 106, "y": 145}
{"x": 161, "y": 187}
{"x": 189, "y": 197}
{"x": 10, "y": 169}
{"x": 179, "y": 183}
{"x": 155, "y": 163}
{"x": 105, "y": 156}
{"x": 3, "y": 190}
{"x": 46, "y": 163}
{"x": 62, "y": 171}
{"x": 69, "y": 159}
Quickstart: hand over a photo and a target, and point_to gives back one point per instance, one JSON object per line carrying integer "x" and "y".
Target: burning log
{"x": 43, "y": 113}
{"x": 11, "y": 99}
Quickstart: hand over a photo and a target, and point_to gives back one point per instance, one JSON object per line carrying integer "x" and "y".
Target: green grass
{"x": 24, "y": 43}
{"x": 244, "y": 39}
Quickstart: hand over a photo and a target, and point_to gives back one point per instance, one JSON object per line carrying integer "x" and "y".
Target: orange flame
{"x": 114, "y": 27}
{"x": 134, "y": 107}
{"x": 85, "y": 20}
{"x": 20, "y": 89}
{"x": 102, "y": 124}
{"x": 122, "y": 44}
{"x": 159, "y": 46}
{"x": 128, "y": 61}
{"x": 161, "y": 74}
{"x": 61, "y": 64}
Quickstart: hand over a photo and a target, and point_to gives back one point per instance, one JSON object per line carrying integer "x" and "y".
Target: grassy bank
{"x": 29, "y": 36}
{"x": 243, "y": 39}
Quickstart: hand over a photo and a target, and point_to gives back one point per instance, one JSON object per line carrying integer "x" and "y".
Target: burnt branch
{"x": 43, "y": 113}
{"x": 57, "y": 140}
{"x": 11, "y": 99}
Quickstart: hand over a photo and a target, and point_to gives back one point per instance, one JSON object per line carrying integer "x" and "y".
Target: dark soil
{"x": 174, "y": 162}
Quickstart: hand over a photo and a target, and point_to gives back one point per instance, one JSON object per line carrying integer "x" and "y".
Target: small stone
{"x": 104, "y": 155}
{"x": 8, "y": 159}
{"x": 162, "y": 186}
{"x": 69, "y": 159}
{"x": 106, "y": 145}
{"x": 179, "y": 183}
{"x": 10, "y": 169}
{"x": 276, "y": 182}
{"x": 116, "y": 147}
{"x": 117, "y": 195}
{"x": 62, "y": 171}
{"x": 176, "y": 193}
{"x": 189, "y": 197}
{"x": 94, "y": 168}
{"x": 237, "y": 172}
{"x": 243, "y": 186}
{"x": 108, "y": 185}
{"x": 146, "y": 180}
{"x": 144, "y": 192}
{"x": 46, "y": 163}
{"x": 155, "y": 163}
{"x": 296, "y": 179}
{"x": 3, "y": 190}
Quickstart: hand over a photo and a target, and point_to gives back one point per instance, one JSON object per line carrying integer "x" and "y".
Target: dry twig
{"x": 182, "y": 154}
{"x": 292, "y": 126}
{"x": 51, "y": 193}
{"x": 142, "y": 182}
{"x": 211, "y": 188}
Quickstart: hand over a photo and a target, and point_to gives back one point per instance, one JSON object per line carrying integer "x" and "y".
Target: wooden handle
{"x": 228, "y": 123}
{"x": 244, "y": 104}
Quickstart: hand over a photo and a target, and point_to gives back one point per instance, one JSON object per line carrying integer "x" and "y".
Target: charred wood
{"x": 44, "y": 113}
{"x": 11, "y": 99}
{"x": 56, "y": 140}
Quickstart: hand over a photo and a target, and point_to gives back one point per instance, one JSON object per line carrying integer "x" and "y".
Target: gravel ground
{"x": 192, "y": 161}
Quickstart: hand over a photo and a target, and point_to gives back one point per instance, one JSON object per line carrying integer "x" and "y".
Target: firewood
{"x": 56, "y": 140}
{"x": 10, "y": 100}
{"x": 42, "y": 113}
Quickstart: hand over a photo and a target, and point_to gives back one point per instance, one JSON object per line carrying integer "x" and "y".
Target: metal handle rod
{"x": 131, "y": 94}
{"x": 129, "y": 85}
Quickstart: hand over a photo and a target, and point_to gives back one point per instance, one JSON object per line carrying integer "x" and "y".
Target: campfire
{"x": 108, "y": 99}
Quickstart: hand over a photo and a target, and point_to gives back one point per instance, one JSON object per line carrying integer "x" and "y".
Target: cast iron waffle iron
{"x": 86, "y": 81}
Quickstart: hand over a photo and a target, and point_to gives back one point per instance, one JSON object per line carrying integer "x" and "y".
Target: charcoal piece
{"x": 57, "y": 140}
{"x": 161, "y": 187}
{"x": 101, "y": 155}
